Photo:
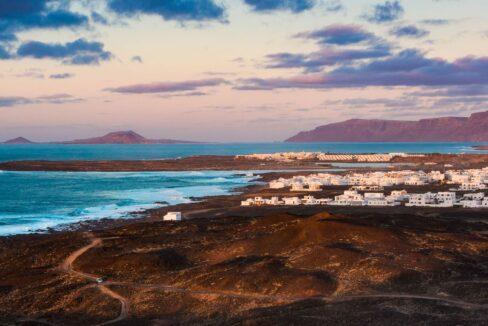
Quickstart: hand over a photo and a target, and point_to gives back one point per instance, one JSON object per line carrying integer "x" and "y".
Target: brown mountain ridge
{"x": 448, "y": 129}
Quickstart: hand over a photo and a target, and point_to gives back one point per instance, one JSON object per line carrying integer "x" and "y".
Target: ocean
{"x": 31, "y": 201}
{"x": 161, "y": 151}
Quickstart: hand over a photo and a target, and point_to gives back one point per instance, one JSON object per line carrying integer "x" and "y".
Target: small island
{"x": 119, "y": 138}
{"x": 18, "y": 141}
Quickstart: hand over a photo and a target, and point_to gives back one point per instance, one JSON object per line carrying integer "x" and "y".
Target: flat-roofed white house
{"x": 315, "y": 186}
{"x": 377, "y": 202}
{"x": 256, "y": 201}
{"x": 446, "y": 196}
{"x": 277, "y": 184}
{"x": 475, "y": 196}
{"x": 274, "y": 201}
{"x": 375, "y": 199}
{"x": 470, "y": 186}
{"x": 247, "y": 202}
{"x": 374, "y": 195}
{"x": 420, "y": 199}
{"x": 172, "y": 216}
{"x": 323, "y": 201}
{"x": 415, "y": 181}
{"x": 397, "y": 195}
{"x": 471, "y": 203}
{"x": 349, "y": 198}
{"x": 292, "y": 201}
{"x": 484, "y": 203}
{"x": 296, "y": 186}
{"x": 309, "y": 200}
{"x": 441, "y": 199}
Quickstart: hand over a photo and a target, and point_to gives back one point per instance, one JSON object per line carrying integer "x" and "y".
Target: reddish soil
{"x": 227, "y": 163}
{"x": 194, "y": 163}
{"x": 256, "y": 267}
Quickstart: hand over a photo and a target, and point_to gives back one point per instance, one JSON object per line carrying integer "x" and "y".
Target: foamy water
{"x": 31, "y": 201}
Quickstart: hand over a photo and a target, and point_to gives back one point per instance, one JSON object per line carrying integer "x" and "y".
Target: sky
{"x": 235, "y": 70}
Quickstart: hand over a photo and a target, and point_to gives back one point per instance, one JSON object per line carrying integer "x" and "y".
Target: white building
{"x": 256, "y": 201}
{"x": 277, "y": 184}
{"x": 475, "y": 196}
{"x": 484, "y": 203}
{"x": 446, "y": 196}
{"x": 296, "y": 186}
{"x": 471, "y": 203}
{"x": 375, "y": 199}
{"x": 472, "y": 186}
{"x": 349, "y": 198}
{"x": 172, "y": 216}
{"x": 274, "y": 201}
{"x": 309, "y": 200}
{"x": 441, "y": 199}
{"x": 397, "y": 196}
{"x": 421, "y": 199}
{"x": 314, "y": 187}
{"x": 292, "y": 201}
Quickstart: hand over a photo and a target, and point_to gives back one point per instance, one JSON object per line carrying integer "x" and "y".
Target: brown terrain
{"x": 227, "y": 265}
{"x": 225, "y": 163}
{"x": 449, "y": 129}
{"x": 456, "y": 160}
{"x": 193, "y": 163}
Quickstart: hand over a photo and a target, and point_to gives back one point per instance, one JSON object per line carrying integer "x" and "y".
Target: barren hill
{"x": 18, "y": 140}
{"x": 124, "y": 137}
{"x": 473, "y": 128}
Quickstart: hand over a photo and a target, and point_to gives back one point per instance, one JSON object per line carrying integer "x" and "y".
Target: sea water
{"x": 163, "y": 151}
{"x": 31, "y": 201}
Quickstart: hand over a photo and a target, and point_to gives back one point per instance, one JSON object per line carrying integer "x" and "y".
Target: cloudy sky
{"x": 235, "y": 70}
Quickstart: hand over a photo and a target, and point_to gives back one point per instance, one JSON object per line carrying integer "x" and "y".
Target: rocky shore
{"x": 225, "y": 264}
{"x": 227, "y": 163}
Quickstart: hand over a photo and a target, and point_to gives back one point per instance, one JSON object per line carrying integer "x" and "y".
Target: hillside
{"x": 118, "y": 137}
{"x": 18, "y": 140}
{"x": 123, "y": 137}
{"x": 473, "y": 128}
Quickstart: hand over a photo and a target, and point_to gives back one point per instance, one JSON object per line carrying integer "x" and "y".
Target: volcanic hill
{"x": 18, "y": 140}
{"x": 445, "y": 129}
{"x": 124, "y": 137}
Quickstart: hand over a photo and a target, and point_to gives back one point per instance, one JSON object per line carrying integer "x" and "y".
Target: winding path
{"x": 328, "y": 299}
{"x": 67, "y": 266}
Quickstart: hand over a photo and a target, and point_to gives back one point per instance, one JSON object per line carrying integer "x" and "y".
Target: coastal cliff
{"x": 473, "y": 128}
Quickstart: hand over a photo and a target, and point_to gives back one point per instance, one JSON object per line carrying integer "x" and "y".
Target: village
{"x": 466, "y": 189}
{"x": 318, "y": 156}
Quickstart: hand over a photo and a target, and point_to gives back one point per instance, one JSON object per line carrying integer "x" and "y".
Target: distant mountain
{"x": 473, "y": 128}
{"x": 18, "y": 140}
{"x": 124, "y": 137}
